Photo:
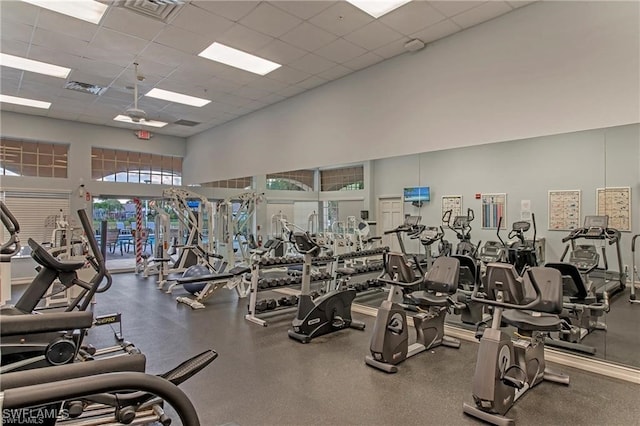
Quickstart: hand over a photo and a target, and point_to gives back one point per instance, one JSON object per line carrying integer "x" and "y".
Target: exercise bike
{"x": 327, "y": 313}
{"x": 506, "y": 369}
{"x": 390, "y": 338}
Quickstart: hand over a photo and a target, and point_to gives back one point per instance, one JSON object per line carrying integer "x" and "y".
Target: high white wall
{"x": 548, "y": 68}
{"x": 81, "y": 137}
{"x": 525, "y": 170}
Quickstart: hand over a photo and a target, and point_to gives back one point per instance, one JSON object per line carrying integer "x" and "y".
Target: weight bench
{"x": 204, "y": 286}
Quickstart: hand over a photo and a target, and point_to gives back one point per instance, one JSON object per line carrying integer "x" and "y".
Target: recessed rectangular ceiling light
{"x": 150, "y": 123}
{"x": 87, "y": 10}
{"x": 24, "y": 102}
{"x": 33, "y": 66}
{"x": 177, "y": 97}
{"x": 377, "y": 8}
{"x": 238, "y": 59}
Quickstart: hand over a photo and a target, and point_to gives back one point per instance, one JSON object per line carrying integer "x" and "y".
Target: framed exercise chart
{"x": 616, "y": 203}
{"x": 453, "y": 203}
{"x": 494, "y": 207}
{"x": 564, "y": 209}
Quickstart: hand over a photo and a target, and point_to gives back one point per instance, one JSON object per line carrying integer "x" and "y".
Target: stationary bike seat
{"x": 423, "y": 298}
{"x": 524, "y": 320}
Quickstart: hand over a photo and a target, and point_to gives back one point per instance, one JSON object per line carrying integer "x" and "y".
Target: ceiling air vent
{"x": 85, "y": 87}
{"x": 161, "y": 10}
{"x": 187, "y": 123}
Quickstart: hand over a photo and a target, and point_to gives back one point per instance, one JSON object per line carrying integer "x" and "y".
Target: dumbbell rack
{"x": 259, "y": 284}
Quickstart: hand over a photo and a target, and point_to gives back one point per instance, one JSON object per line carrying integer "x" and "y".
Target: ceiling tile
{"x": 12, "y": 47}
{"x": 373, "y": 35}
{"x": 97, "y": 68}
{"x": 197, "y": 77}
{"x": 251, "y": 93}
{"x": 15, "y": 31}
{"x": 10, "y": 74}
{"x": 267, "y": 84}
{"x": 270, "y": 20}
{"x": 125, "y": 21}
{"x": 164, "y": 55}
{"x": 272, "y": 98}
{"x": 72, "y": 27}
{"x": 312, "y": 82}
{"x": 233, "y": 10}
{"x": 340, "y": 51}
{"x": 227, "y": 98}
{"x": 364, "y": 61}
{"x": 341, "y": 18}
{"x": 308, "y": 37}
{"x": 452, "y": 8}
{"x": 335, "y": 72}
{"x": 182, "y": 39}
{"x": 482, "y": 13}
{"x": 19, "y": 11}
{"x": 392, "y": 49}
{"x": 217, "y": 84}
{"x": 288, "y": 75}
{"x": 195, "y": 19}
{"x": 107, "y": 39}
{"x": 280, "y": 52}
{"x": 312, "y": 64}
{"x": 412, "y": 17}
{"x": 59, "y": 42}
{"x": 69, "y": 116}
{"x": 303, "y": 9}
{"x": 437, "y": 31}
{"x": 238, "y": 75}
{"x": 243, "y": 38}
{"x": 53, "y": 56}
{"x": 150, "y": 68}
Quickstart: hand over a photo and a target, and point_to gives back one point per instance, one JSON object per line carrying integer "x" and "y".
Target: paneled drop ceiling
{"x": 314, "y": 41}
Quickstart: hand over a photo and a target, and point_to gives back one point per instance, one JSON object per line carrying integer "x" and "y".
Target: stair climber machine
{"x": 327, "y": 313}
{"x": 462, "y": 227}
{"x": 596, "y": 229}
{"x": 506, "y": 369}
{"x": 390, "y": 337}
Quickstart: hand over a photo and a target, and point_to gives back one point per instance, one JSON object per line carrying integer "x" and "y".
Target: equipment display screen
{"x": 419, "y": 193}
{"x": 193, "y": 204}
{"x": 596, "y": 221}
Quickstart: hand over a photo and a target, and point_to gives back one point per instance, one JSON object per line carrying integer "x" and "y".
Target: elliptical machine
{"x": 390, "y": 337}
{"x": 506, "y": 369}
{"x": 462, "y": 227}
{"x": 327, "y": 313}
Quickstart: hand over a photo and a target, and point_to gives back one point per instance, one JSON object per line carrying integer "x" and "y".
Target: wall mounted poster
{"x": 453, "y": 203}
{"x": 616, "y": 203}
{"x": 564, "y": 209}
{"x": 494, "y": 207}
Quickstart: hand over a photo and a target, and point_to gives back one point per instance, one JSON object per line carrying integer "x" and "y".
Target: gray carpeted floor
{"x": 264, "y": 378}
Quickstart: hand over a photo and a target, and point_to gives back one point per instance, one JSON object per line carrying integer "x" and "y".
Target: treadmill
{"x": 597, "y": 228}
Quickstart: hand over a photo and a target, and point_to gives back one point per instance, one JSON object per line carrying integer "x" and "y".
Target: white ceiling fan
{"x": 136, "y": 114}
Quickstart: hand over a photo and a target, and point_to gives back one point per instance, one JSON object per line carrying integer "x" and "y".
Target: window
{"x": 298, "y": 180}
{"x": 330, "y": 216}
{"x": 36, "y": 213}
{"x": 110, "y": 165}
{"x": 40, "y": 159}
{"x": 344, "y": 179}
{"x": 239, "y": 183}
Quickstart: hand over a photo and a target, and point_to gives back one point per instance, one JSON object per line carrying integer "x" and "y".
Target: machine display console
{"x": 460, "y": 222}
{"x": 595, "y": 225}
{"x": 412, "y": 220}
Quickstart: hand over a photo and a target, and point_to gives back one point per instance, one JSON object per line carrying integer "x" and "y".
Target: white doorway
{"x": 390, "y": 217}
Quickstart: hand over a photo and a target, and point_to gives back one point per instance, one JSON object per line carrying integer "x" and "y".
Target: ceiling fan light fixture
{"x": 144, "y": 122}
